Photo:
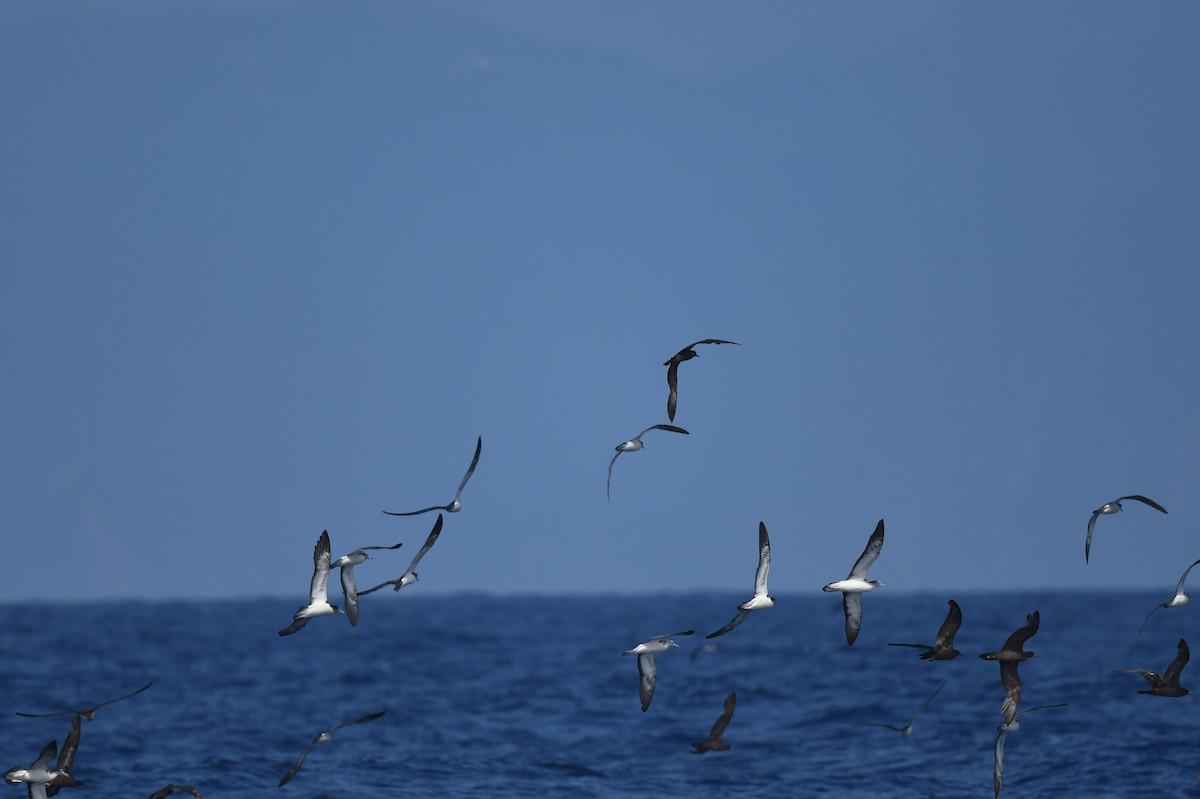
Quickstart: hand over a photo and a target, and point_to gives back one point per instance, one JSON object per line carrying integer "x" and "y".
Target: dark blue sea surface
{"x": 531, "y": 697}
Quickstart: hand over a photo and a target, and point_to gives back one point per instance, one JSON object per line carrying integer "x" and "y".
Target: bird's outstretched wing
{"x": 734, "y": 623}
{"x": 870, "y": 554}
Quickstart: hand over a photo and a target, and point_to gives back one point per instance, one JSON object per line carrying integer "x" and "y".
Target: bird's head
{"x": 336, "y": 609}
{"x": 878, "y": 583}
{"x": 10, "y": 775}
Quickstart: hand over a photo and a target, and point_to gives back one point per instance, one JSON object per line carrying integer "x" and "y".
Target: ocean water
{"x": 531, "y": 697}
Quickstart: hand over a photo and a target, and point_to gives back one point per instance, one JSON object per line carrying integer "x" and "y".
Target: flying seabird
{"x": 88, "y": 713}
{"x": 634, "y": 444}
{"x": 66, "y": 762}
{"x": 1168, "y": 683}
{"x": 1109, "y": 508}
{"x": 1004, "y": 729}
{"x": 943, "y": 647}
{"x": 857, "y": 583}
{"x": 410, "y": 576}
{"x": 346, "y": 564}
{"x": 324, "y": 738}
{"x": 1180, "y": 598}
{"x": 456, "y": 505}
{"x": 714, "y": 742}
{"x": 1010, "y": 656}
{"x": 37, "y": 776}
{"x": 646, "y": 651}
{"x": 906, "y": 730}
{"x": 166, "y": 791}
{"x": 672, "y": 364}
{"x": 318, "y": 598}
{"x": 760, "y": 599}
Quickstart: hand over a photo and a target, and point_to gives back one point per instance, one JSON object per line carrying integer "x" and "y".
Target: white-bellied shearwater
{"x": 1180, "y": 598}
{"x": 345, "y": 564}
{"x": 318, "y": 598}
{"x": 1003, "y": 730}
{"x": 714, "y": 743}
{"x": 410, "y": 575}
{"x": 672, "y": 364}
{"x": 645, "y": 652}
{"x": 37, "y": 776}
{"x": 633, "y": 445}
{"x": 66, "y": 762}
{"x": 943, "y": 646}
{"x": 324, "y": 738}
{"x": 1109, "y": 508}
{"x": 88, "y": 713}
{"x": 856, "y": 584}
{"x": 1168, "y": 683}
{"x": 167, "y": 790}
{"x": 760, "y": 599}
{"x": 1010, "y": 656}
{"x": 456, "y": 505}
{"x": 906, "y": 730}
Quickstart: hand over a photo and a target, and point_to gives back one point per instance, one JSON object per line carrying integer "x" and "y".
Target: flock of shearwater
{"x": 52, "y": 770}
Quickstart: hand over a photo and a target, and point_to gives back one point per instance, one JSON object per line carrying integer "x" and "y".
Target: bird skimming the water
{"x": 456, "y": 505}
{"x": 1003, "y": 730}
{"x": 672, "y": 364}
{"x": 760, "y": 599}
{"x": 324, "y": 738}
{"x": 167, "y": 790}
{"x": 906, "y": 730}
{"x": 714, "y": 743}
{"x": 1109, "y": 508}
{"x": 856, "y": 584}
{"x": 645, "y": 652}
{"x": 634, "y": 444}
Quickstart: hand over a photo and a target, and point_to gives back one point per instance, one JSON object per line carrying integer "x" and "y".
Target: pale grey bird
{"x": 410, "y": 575}
{"x": 856, "y": 584}
{"x": 760, "y": 599}
{"x": 1109, "y": 508}
{"x": 318, "y": 596}
{"x": 906, "y": 730}
{"x": 38, "y": 775}
{"x": 1180, "y": 598}
{"x": 324, "y": 738}
{"x": 714, "y": 743}
{"x": 645, "y": 652}
{"x": 456, "y": 504}
{"x": 345, "y": 564}
{"x": 1004, "y": 729}
{"x": 634, "y": 444}
{"x": 672, "y": 364}
{"x": 88, "y": 713}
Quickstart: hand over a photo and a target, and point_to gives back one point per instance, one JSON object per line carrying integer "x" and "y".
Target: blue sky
{"x": 272, "y": 267}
